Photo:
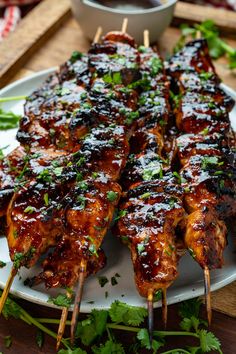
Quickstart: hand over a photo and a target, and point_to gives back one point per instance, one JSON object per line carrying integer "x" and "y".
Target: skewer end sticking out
{"x": 62, "y": 325}
{"x": 150, "y": 314}
{"x": 78, "y": 298}
{"x": 164, "y": 307}
{"x": 146, "y": 38}
{"x": 124, "y": 25}
{"x": 207, "y": 283}
{"x": 7, "y": 288}
{"x": 97, "y": 35}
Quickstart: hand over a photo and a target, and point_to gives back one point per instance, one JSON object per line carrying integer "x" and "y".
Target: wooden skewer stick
{"x": 7, "y": 288}
{"x": 62, "y": 325}
{"x": 207, "y": 283}
{"x": 124, "y": 25}
{"x": 97, "y": 35}
{"x": 164, "y": 307}
{"x": 78, "y": 298}
{"x": 150, "y": 314}
{"x": 146, "y": 39}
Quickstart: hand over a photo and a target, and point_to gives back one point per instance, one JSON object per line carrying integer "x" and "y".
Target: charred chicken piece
{"x": 148, "y": 218}
{"x": 194, "y": 57}
{"x": 62, "y": 267}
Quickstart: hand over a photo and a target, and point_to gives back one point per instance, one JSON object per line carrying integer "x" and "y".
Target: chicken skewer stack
{"x": 51, "y": 202}
{"x": 152, "y": 207}
{"x": 208, "y": 171}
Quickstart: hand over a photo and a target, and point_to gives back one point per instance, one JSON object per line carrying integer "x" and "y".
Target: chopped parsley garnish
{"x": 114, "y": 281}
{"x": 206, "y": 75}
{"x": 113, "y": 78}
{"x": 2, "y": 264}
{"x": 7, "y": 341}
{"x": 15, "y": 234}
{"x": 46, "y": 199}
{"x": 45, "y": 176}
{"x": 63, "y": 91}
{"x": 58, "y": 171}
{"x": 112, "y": 196}
{"x": 121, "y": 214}
{"x": 207, "y": 161}
{"x": 76, "y": 55}
{"x": 103, "y": 281}
{"x": 29, "y": 209}
{"x": 157, "y": 296}
{"x": 153, "y": 170}
{"x": 205, "y": 131}
{"x": 81, "y": 201}
{"x": 60, "y": 300}
{"x": 156, "y": 66}
{"x": 145, "y": 195}
{"x": 18, "y": 259}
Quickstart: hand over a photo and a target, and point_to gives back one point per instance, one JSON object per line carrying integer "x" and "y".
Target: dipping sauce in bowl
{"x": 153, "y": 15}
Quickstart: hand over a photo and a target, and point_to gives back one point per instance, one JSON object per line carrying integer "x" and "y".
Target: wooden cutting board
{"x": 47, "y": 36}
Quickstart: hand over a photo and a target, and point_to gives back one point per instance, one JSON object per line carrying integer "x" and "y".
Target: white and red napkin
{"x": 11, "y": 15}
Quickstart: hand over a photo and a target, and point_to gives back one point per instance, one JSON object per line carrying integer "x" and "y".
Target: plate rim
{"x": 86, "y": 308}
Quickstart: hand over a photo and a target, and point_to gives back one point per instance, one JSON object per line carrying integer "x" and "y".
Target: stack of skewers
{"x": 104, "y": 129}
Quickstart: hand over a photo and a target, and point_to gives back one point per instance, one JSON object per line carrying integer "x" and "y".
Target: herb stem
{"x": 13, "y": 98}
{"x": 179, "y": 350}
{"x": 46, "y": 330}
{"x": 51, "y": 321}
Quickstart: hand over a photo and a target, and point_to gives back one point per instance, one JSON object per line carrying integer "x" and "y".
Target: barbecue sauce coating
{"x": 151, "y": 208}
{"x": 207, "y": 172}
{"x": 150, "y": 213}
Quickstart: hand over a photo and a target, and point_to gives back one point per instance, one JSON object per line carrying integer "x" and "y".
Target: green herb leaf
{"x": 129, "y": 315}
{"x": 208, "y": 341}
{"x": 8, "y": 120}
{"x": 112, "y": 196}
{"x": 103, "y": 281}
{"x": 71, "y": 351}
{"x": 39, "y": 338}
{"x": 109, "y": 347}
{"x": 93, "y": 327}
{"x": 2, "y": 264}
{"x": 29, "y": 209}
{"x": 143, "y": 336}
{"x": 190, "y": 308}
{"x": 60, "y": 300}
{"x": 8, "y": 341}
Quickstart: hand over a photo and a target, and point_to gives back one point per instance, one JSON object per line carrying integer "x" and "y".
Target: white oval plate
{"x": 188, "y": 285}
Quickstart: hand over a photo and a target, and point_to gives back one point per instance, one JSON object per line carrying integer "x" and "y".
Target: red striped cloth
{"x": 4, "y": 3}
{"x": 226, "y": 4}
{"x": 11, "y": 15}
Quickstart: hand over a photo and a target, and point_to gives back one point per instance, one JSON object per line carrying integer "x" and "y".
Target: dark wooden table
{"x": 23, "y": 335}
{"x": 55, "y": 49}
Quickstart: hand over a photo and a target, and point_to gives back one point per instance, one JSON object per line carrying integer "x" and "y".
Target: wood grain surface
{"x": 32, "y": 32}
{"x": 192, "y": 13}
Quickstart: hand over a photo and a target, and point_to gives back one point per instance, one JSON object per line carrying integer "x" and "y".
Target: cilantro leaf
{"x": 39, "y": 338}
{"x": 70, "y": 351}
{"x": 129, "y": 315}
{"x": 187, "y": 323}
{"x": 208, "y": 341}
{"x": 143, "y": 336}
{"x": 8, "y": 341}
{"x": 93, "y": 327}
{"x": 190, "y": 308}
{"x": 109, "y": 347}
{"x": 60, "y": 300}
{"x": 11, "y": 309}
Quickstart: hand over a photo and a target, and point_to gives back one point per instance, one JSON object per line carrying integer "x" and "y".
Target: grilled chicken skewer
{"x": 152, "y": 207}
{"x": 208, "y": 172}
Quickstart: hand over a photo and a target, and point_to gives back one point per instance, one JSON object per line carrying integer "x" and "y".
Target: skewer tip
{"x": 124, "y": 25}
{"x": 207, "y": 283}
{"x": 164, "y": 307}
{"x": 7, "y": 288}
{"x": 78, "y": 298}
{"x": 62, "y": 325}
{"x": 97, "y": 35}
{"x": 146, "y": 38}
{"x": 150, "y": 315}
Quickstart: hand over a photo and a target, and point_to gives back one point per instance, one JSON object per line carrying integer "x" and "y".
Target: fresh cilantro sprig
{"x": 208, "y": 30}
{"x": 97, "y": 331}
{"x": 8, "y": 120}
